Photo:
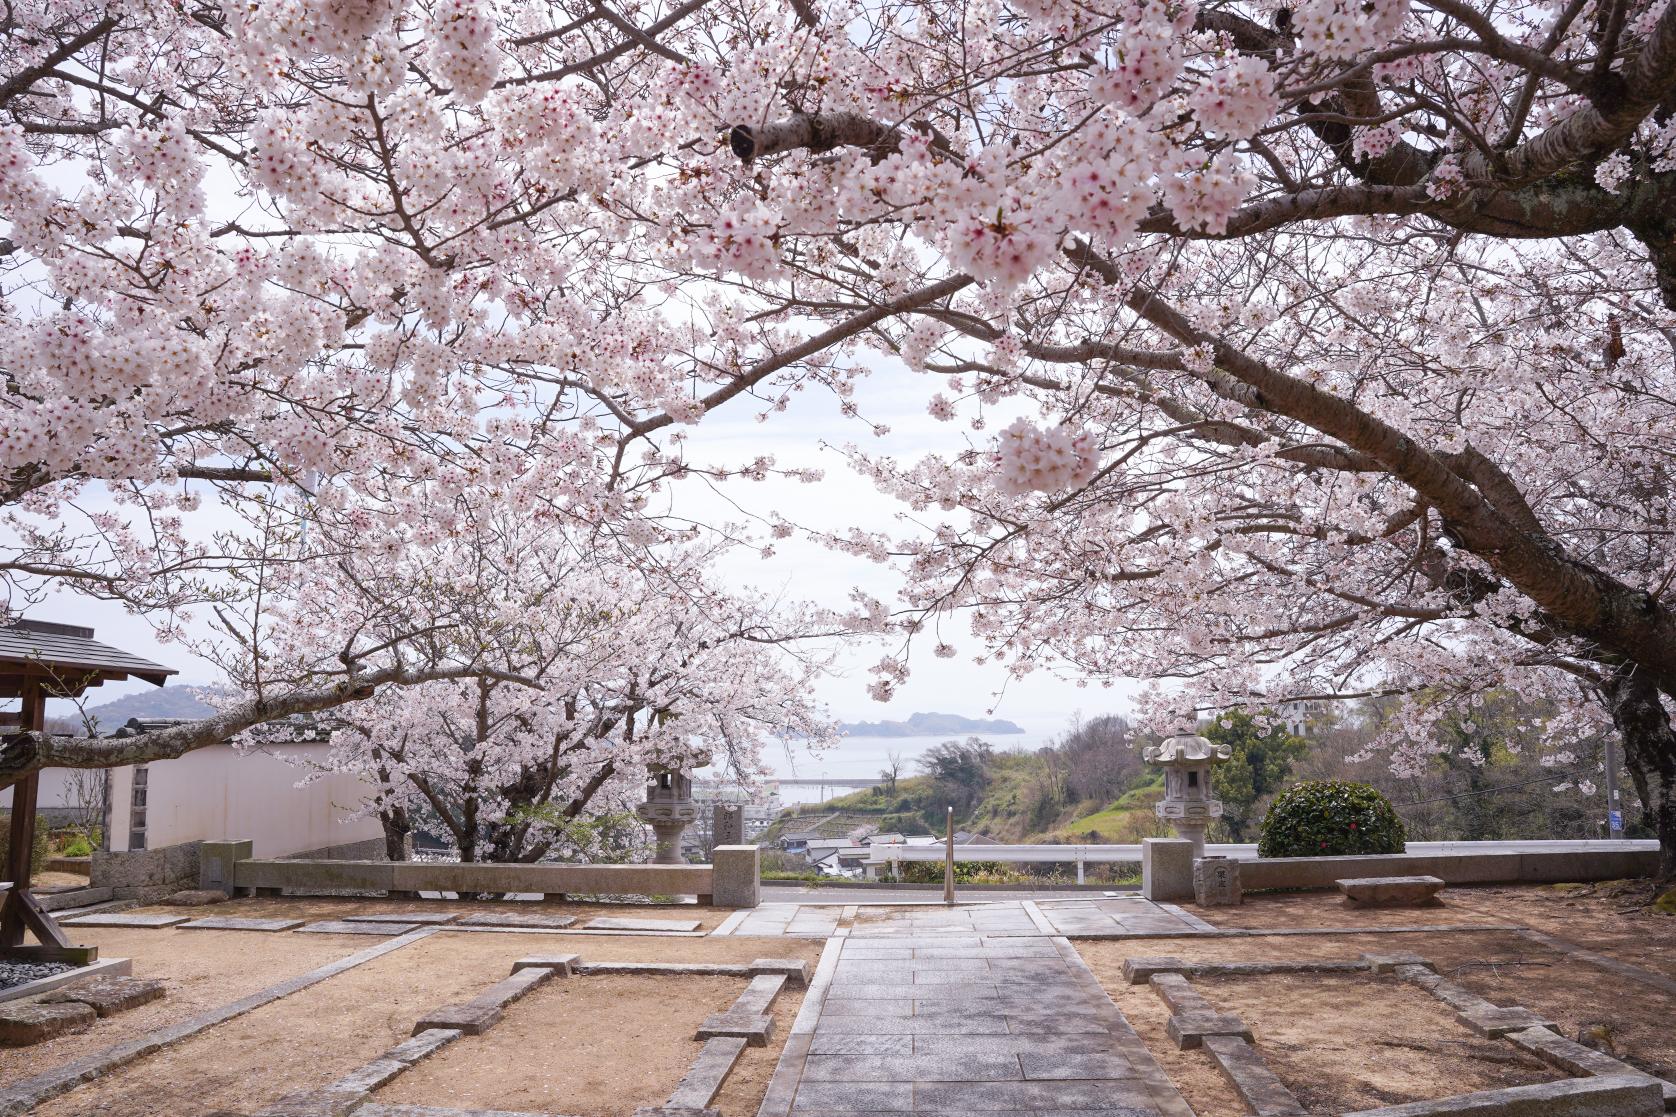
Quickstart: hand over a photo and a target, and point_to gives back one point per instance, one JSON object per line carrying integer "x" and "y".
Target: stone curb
{"x": 1571, "y": 1097}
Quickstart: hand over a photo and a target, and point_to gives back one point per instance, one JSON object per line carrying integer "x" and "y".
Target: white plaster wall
{"x": 218, "y": 793}
{"x": 54, "y": 790}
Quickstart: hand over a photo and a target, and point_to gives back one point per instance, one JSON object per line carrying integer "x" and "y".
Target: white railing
{"x": 1082, "y": 855}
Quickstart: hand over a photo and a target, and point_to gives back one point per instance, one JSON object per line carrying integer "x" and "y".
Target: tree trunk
{"x": 1649, "y": 755}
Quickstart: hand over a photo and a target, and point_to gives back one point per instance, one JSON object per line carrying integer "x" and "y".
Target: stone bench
{"x": 1390, "y": 892}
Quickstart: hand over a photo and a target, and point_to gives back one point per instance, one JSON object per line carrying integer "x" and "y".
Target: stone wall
{"x": 1535, "y": 867}
{"x": 370, "y": 850}
{"x": 146, "y": 875}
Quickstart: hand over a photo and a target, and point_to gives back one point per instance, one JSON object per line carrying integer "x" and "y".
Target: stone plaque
{"x": 727, "y": 825}
{"x": 1216, "y": 882}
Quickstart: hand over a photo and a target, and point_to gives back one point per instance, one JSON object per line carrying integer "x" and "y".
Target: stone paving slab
{"x": 427, "y": 918}
{"x": 515, "y": 919}
{"x": 123, "y": 919}
{"x": 355, "y": 927}
{"x": 613, "y": 923}
{"x": 234, "y": 923}
{"x": 109, "y": 995}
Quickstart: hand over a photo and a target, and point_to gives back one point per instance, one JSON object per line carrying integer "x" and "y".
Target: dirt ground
{"x": 594, "y": 1046}
{"x": 1358, "y": 1042}
{"x": 1326, "y": 909}
{"x": 201, "y": 969}
{"x": 313, "y": 1036}
{"x": 1611, "y": 918}
{"x": 333, "y": 907}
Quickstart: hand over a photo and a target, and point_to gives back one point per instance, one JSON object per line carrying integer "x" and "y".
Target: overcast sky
{"x": 891, "y": 396}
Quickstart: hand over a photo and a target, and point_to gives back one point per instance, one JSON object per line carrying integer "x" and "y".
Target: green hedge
{"x": 37, "y": 856}
{"x": 1330, "y": 818}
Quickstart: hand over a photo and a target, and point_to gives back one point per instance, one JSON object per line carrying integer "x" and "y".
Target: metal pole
{"x": 948, "y": 862}
{"x": 1614, "y": 812}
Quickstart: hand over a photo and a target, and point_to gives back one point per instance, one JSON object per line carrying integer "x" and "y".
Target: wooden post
{"x": 948, "y": 862}
{"x": 21, "y": 912}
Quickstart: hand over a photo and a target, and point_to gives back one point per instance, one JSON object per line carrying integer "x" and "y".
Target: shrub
{"x": 1330, "y": 818}
{"x": 37, "y": 856}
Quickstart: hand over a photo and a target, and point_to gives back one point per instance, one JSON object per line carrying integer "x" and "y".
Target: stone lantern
{"x": 669, "y": 809}
{"x": 1188, "y": 806}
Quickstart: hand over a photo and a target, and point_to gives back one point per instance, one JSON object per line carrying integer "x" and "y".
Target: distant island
{"x": 927, "y": 725}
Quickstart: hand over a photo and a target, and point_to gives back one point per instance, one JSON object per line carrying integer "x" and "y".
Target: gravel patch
{"x": 13, "y": 974}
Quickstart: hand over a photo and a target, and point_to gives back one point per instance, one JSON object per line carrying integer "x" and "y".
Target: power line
{"x": 1488, "y": 790}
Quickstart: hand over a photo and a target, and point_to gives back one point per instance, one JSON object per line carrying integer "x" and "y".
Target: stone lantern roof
{"x": 1186, "y": 748}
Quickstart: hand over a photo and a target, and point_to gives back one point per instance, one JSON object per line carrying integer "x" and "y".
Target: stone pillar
{"x": 216, "y": 860}
{"x": 1167, "y": 869}
{"x": 1216, "y": 882}
{"x": 735, "y": 876}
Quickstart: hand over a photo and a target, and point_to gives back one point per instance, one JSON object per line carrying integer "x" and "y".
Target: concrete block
{"x": 534, "y": 921}
{"x": 123, "y": 919}
{"x": 356, "y": 927}
{"x": 1263, "y": 1093}
{"x": 699, "y": 1087}
{"x": 1494, "y": 1022}
{"x": 217, "y": 859}
{"x": 1573, "y": 1058}
{"x": 422, "y": 1045}
{"x": 1139, "y": 970}
{"x": 234, "y": 923}
{"x": 426, "y": 918}
{"x": 109, "y": 995}
{"x": 1391, "y": 892}
{"x": 313, "y": 1103}
{"x": 1571, "y": 1097}
{"x": 560, "y": 964}
{"x": 466, "y": 1018}
{"x": 1177, "y": 992}
{"x": 612, "y": 923}
{"x": 24, "y": 1023}
{"x": 1388, "y": 963}
{"x": 1189, "y": 1029}
{"x": 794, "y": 970}
{"x": 753, "y": 1029}
{"x": 736, "y": 876}
{"x": 197, "y": 897}
{"x": 1167, "y": 869}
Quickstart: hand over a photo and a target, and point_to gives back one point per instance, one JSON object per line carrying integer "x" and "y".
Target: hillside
{"x": 1012, "y": 807}
{"x": 161, "y": 702}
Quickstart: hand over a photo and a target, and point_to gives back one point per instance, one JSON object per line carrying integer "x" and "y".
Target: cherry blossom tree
{"x": 1350, "y": 326}
{"x": 589, "y": 670}
{"x": 1331, "y": 341}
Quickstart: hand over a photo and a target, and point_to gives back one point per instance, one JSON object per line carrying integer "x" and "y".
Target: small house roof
{"x": 67, "y": 659}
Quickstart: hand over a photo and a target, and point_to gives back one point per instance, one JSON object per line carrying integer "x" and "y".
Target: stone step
{"x": 74, "y": 898}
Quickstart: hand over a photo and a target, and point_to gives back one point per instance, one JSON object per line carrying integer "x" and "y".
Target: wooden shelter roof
{"x": 67, "y": 659}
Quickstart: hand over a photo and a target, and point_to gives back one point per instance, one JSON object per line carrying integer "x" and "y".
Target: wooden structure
{"x": 40, "y": 660}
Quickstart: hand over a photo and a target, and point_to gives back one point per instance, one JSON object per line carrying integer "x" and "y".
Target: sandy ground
{"x": 1326, "y": 909}
{"x": 1360, "y": 1042}
{"x": 54, "y": 879}
{"x": 201, "y": 969}
{"x": 592, "y": 1046}
{"x": 331, "y": 907}
{"x": 320, "y": 1033}
{"x": 1611, "y": 919}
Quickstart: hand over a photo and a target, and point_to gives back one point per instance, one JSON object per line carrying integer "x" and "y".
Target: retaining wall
{"x": 1550, "y": 867}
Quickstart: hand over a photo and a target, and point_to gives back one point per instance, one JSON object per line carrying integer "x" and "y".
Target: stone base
{"x": 109, "y": 995}
{"x": 27, "y": 1023}
{"x": 1391, "y": 892}
{"x": 468, "y": 1019}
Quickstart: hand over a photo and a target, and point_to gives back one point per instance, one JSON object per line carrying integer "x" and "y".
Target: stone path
{"x": 906, "y": 1019}
{"x": 1113, "y": 916}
